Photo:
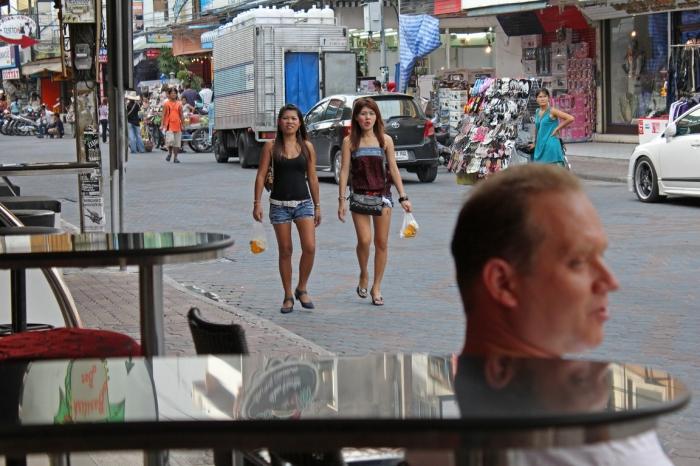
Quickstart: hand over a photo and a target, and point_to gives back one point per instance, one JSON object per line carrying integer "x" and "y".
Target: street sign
{"x": 12, "y": 73}
{"x": 153, "y": 53}
{"x": 333, "y": 42}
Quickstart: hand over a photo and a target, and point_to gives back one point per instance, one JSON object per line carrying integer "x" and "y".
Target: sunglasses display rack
{"x": 488, "y": 134}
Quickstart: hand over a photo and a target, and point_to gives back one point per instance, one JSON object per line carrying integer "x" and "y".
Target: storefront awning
{"x": 541, "y": 21}
{"x": 141, "y": 43}
{"x": 207, "y": 39}
{"x": 499, "y": 7}
{"x": 52, "y": 65}
{"x": 597, "y": 10}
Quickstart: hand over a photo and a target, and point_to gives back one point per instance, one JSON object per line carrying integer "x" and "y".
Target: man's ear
{"x": 498, "y": 370}
{"x": 499, "y": 277}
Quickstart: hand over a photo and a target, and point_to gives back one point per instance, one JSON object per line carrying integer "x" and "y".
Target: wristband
{"x": 403, "y": 198}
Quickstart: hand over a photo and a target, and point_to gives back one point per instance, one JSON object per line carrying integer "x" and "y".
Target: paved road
{"x": 654, "y": 249}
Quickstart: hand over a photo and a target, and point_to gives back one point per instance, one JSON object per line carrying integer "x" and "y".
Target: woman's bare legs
{"x": 381, "y": 241}
{"x": 363, "y": 230}
{"x": 283, "y": 232}
{"x": 307, "y": 238}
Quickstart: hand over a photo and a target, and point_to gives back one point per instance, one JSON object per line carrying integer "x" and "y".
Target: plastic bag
{"x": 410, "y": 227}
{"x": 258, "y": 239}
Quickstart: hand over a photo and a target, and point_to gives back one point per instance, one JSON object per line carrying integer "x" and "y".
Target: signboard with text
{"x": 10, "y": 73}
{"x": 8, "y": 57}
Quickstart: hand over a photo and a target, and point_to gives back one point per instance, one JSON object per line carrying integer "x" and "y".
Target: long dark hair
{"x": 356, "y": 131}
{"x": 278, "y": 146}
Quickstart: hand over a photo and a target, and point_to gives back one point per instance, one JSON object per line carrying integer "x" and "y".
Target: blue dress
{"x": 547, "y": 147}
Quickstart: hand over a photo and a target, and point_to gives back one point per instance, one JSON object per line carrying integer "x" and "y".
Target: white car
{"x": 670, "y": 163}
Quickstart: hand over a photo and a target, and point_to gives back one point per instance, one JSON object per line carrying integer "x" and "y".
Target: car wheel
{"x": 646, "y": 183}
{"x": 427, "y": 174}
{"x": 337, "y": 161}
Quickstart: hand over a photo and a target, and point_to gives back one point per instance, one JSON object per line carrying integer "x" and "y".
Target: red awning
{"x": 570, "y": 17}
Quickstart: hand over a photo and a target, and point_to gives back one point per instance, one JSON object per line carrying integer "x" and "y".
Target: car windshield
{"x": 398, "y": 108}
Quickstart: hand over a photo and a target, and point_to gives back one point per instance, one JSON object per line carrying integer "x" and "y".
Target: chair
{"x": 212, "y": 338}
{"x": 67, "y": 343}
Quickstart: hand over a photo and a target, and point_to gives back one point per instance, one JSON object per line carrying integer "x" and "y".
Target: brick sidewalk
{"x": 109, "y": 299}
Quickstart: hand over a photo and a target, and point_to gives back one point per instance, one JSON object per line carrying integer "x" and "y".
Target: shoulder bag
{"x": 270, "y": 177}
{"x": 368, "y": 204}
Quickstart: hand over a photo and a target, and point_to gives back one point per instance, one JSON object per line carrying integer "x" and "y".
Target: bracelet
{"x": 341, "y": 198}
{"x": 403, "y": 198}
{"x": 256, "y": 201}
{"x": 318, "y": 206}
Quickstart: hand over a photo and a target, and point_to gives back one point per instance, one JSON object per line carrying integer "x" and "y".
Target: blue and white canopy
{"x": 418, "y": 36}
{"x": 207, "y": 39}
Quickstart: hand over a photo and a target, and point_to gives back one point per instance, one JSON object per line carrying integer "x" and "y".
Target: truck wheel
{"x": 246, "y": 147}
{"x": 220, "y": 153}
{"x": 337, "y": 161}
{"x": 427, "y": 174}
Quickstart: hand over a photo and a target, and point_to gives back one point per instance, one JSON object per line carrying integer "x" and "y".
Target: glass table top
{"x": 109, "y": 249}
{"x": 478, "y": 391}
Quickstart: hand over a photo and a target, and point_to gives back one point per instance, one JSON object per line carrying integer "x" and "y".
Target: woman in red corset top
{"x": 368, "y": 155}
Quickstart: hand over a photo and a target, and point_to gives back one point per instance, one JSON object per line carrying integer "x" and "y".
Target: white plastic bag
{"x": 258, "y": 239}
{"x": 409, "y": 228}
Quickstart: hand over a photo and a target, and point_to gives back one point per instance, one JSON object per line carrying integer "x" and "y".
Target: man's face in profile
{"x": 563, "y": 298}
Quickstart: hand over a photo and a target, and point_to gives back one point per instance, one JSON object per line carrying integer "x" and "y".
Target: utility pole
{"x": 383, "y": 69}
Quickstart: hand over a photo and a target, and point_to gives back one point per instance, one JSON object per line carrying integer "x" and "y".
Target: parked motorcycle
{"x": 196, "y": 133}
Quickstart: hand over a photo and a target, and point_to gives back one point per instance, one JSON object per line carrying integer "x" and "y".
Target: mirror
{"x": 670, "y": 130}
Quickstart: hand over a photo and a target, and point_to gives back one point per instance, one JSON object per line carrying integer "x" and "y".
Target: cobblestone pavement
{"x": 654, "y": 249}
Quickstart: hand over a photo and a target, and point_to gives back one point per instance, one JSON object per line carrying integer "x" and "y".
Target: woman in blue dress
{"x": 549, "y": 121}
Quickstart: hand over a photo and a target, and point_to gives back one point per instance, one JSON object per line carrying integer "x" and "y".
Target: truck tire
{"x": 220, "y": 152}
{"x": 427, "y": 173}
{"x": 244, "y": 150}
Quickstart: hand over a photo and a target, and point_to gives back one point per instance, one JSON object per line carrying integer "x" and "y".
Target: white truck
{"x": 264, "y": 61}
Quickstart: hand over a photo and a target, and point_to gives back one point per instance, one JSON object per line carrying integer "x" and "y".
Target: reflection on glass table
{"x": 387, "y": 400}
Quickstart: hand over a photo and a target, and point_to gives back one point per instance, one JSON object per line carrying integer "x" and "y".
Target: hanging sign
{"x": 18, "y": 30}
{"x": 78, "y": 11}
{"x": 7, "y": 57}
{"x": 152, "y": 53}
{"x": 12, "y": 73}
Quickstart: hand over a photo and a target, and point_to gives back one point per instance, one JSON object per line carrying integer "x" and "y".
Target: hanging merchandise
{"x": 684, "y": 72}
{"x": 488, "y": 136}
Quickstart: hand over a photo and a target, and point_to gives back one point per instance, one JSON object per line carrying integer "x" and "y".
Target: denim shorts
{"x": 280, "y": 214}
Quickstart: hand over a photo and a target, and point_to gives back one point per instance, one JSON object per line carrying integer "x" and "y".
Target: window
{"x": 638, "y": 66}
{"x": 392, "y": 108}
{"x": 315, "y": 114}
{"x": 689, "y": 124}
{"x": 334, "y": 109}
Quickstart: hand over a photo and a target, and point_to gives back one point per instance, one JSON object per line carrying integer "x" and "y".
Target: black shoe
{"x": 287, "y": 310}
{"x": 298, "y": 294}
{"x": 361, "y": 292}
{"x": 167, "y": 159}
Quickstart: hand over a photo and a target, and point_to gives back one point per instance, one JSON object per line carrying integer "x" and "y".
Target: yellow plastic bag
{"x": 258, "y": 239}
{"x": 410, "y": 227}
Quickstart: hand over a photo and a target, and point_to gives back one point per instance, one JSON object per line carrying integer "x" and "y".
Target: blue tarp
{"x": 301, "y": 79}
{"x": 418, "y": 36}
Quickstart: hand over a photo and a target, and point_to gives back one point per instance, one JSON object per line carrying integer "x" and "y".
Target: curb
{"x": 594, "y": 177}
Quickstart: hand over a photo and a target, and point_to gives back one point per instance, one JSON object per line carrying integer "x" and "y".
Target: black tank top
{"x": 289, "y": 182}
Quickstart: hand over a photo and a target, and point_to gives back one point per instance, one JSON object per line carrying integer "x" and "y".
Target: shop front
{"x": 187, "y": 42}
{"x": 641, "y": 61}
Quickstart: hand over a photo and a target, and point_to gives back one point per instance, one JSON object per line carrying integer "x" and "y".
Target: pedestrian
{"x": 549, "y": 122}
{"x": 172, "y": 124}
{"x": 133, "y": 119}
{"x": 55, "y": 127}
{"x": 529, "y": 251}
{"x": 368, "y": 156}
{"x": 191, "y": 95}
{"x": 294, "y": 198}
{"x": 42, "y": 123}
{"x": 207, "y": 95}
{"x": 15, "y": 107}
{"x": 103, "y": 115}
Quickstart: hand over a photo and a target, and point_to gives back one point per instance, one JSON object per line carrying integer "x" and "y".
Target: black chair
{"x": 211, "y": 338}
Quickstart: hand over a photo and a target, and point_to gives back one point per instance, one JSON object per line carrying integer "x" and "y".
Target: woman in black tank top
{"x": 294, "y": 198}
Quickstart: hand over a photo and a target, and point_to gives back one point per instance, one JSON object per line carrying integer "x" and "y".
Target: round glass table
{"x": 148, "y": 250}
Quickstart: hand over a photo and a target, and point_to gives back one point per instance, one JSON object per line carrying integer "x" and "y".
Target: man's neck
{"x": 493, "y": 335}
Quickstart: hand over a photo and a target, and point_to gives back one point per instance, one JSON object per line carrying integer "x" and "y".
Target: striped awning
{"x": 207, "y": 39}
